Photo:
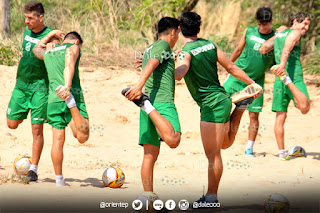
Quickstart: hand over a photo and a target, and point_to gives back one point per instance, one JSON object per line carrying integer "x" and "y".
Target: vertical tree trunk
{"x": 6, "y": 17}
{"x": 114, "y": 26}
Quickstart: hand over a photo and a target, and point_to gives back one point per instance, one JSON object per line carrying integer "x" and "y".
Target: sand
{"x": 179, "y": 174}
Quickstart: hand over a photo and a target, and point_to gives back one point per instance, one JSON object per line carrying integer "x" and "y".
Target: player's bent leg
{"x": 301, "y": 100}
{"x": 79, "y": 125}
{"x": 151, "y": 153}
{"x": 212, "y": 138}
{"x": 231, "y": 127}
{"x": 13, "y": 124}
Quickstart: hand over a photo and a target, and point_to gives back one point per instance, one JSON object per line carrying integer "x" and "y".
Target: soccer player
{"x": 197, "y": 63}
{"x": 158, "y": 115}
{"x": 65, "y": 102}
{"x": 289, "y": 86}
{"x": 249, "y": 59}
{"x": 31, "y": 90}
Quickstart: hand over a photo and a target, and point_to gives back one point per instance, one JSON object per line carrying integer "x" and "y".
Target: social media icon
{"x": 183, "y": 205}
{"x": 137, "y": 205}
{"x": 170, "y": 204}
{"x": 157, "y": 204}
{"x": 102, "y": 205}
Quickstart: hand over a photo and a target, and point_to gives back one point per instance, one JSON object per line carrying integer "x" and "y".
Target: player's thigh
{"x": 18, "y": 107}
{"x": 39, "y": 105}
{"x": 56, "y": 115}
{"x": 281, "y": 99}
{"x": 148, "y": 133}
{"x": 169, "y": 112}
{"x": 233, "y": 85}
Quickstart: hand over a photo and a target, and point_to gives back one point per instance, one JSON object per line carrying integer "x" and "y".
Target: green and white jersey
{"x": 251, "y": 60}
{"x": 293, "y": 66}
{"x": 32, "y": 74}
{"x": 202, "y": 77}
{"x": 160, "y": 86}
{"x": 55, "y": 64}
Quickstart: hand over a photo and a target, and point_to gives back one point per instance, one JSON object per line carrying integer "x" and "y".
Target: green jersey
{"x": 55, "y": 64}
{"x": 32, "y": 74}
{"x": 160, "y": 85}
{"x": 202, "y": 77}
{"x": 251, "y": 60}
{"x": 293, "y": 66}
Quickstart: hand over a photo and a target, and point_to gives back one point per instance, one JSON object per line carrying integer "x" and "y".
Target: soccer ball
{"x": 22, "y": 164}
{"x": 113, "y": 177}
{"x": 276, "y": 203}
{"x": 297, "y": 151}
{"x": 148, "y": 196}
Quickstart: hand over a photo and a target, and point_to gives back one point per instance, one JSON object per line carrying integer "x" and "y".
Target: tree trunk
{"x": 190, "y": 5}
{"x": 6, "y": 17}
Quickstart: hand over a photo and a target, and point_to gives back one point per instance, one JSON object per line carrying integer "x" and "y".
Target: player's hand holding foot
{"x": 133, "y": 93}
{"x": 63, "y": 92}
{"x": 279, "y": 70}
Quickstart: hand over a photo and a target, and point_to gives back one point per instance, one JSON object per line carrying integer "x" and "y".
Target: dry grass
{"x": 14, "y": 178}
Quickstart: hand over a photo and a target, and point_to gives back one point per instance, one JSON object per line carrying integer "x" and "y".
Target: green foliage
{"x": 223, "y": 43}
{"x": 312, "y": 63}
{"x": 9, "y": 53}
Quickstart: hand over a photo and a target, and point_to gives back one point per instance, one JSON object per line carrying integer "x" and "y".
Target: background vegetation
{"x": 114, "y": 29}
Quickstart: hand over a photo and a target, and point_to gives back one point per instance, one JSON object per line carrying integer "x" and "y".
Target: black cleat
{"x": 32, "y": 175}
{"x": 138, "y": 102}
{"x": 244, "y": 102}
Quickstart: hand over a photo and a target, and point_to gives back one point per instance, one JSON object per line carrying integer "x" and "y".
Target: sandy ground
{"x": 179, "y": 174}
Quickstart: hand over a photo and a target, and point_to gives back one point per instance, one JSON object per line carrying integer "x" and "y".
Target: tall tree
{"x": 6, "y": 17}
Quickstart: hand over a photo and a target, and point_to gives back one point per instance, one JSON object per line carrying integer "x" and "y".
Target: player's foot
{"x": 248, "y": 92}
{"x": 285, "y": 78}
{"x": 284, "y": 156}
{"x": 249, "y": 152}
{"x": 32, "y": 175}
{"x": 61, "y": 183}
{"x": 138, "y": 102}
{"x": 244, "y": 103}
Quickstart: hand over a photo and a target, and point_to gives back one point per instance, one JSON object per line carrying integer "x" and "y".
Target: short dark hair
{"x": 74, "y": 35}
{"x": 167, "y": 23}
{"x": 190, "y": 23}
{"x": 264, "y": 14}
{"x": 34, "y": 6}
{"x": 300, "y": 17}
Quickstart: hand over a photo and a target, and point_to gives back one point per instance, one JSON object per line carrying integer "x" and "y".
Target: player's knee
{"x": 213, "y": 155}
{"x": 305, "y": 108}
{"x": 174, "y": 141}
{"x": 12, "y": 124}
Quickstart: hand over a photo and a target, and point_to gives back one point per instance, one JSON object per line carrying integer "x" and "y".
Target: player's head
{"x": 33, "y": 13}
{"x": 264, "y": 19}
{"x": 168, "y": 26}
{"x": 190, "y": 24}
{"x": 73, "y": 38}
{"x": 301, "y": 21}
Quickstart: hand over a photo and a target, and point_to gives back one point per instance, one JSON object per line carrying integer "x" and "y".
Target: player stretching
{"x": 31, "y": 90}
{"x": 197, "y": 63}
{"x": 249, "y": 59}
{"x": 287, "y": 49}
{"x": 66, "y": 102}
{"x": 158, "y": 115}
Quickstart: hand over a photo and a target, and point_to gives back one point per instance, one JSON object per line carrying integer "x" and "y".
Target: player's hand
{"x": 63, "y": 92}
{"x": 58, "y": 34}
{"x": 257, "y": 86}
{"x": 281, "y": 28}
{"x": 279, "y": 70}
{"x": 50, "y": 46}
{"x": 138, "y": 62}
{"x": 134, "y": 93}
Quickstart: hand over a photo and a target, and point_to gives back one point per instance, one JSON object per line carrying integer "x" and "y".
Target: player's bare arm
{"x": 238, "y": 50}
{"x": 182, "y": 65}
{"x": 71, "y": 57}
{"x": 267, "y": 46}
{"x": 291, "y": 41}
{"x": 39, "y": 49}
{"x": 232, "y": 68}
{"x": 136, "y": 91}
